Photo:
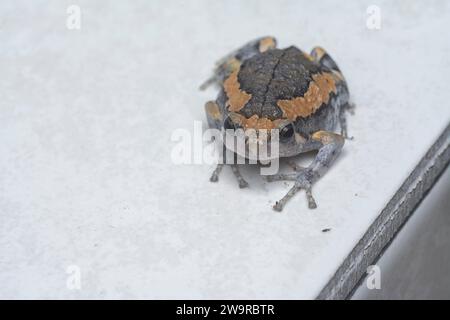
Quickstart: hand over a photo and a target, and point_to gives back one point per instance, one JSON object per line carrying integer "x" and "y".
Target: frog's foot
{"x": 232, "y": 61}
{"x": 303, "y": 180}
{"x": 215, "y": 175}
{"x": 350, "y": 108}
{"x": 330, "y": 145}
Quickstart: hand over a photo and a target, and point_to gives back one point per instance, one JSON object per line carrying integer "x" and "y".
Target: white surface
{"x": 86, "y": 118}
{"x": 416, "y": 264}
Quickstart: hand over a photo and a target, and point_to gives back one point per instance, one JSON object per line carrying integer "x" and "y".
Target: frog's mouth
{"x": 256, "y": 146}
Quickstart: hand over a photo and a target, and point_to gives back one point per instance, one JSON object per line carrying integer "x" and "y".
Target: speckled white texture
{"x": 85, "y": 123}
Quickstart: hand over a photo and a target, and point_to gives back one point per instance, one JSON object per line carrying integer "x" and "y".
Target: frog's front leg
{"x": 215, "y": 119}
{"x": 329, "y": 146}
{"x": 233, "y": 60}
{"x": 237, "y": 174}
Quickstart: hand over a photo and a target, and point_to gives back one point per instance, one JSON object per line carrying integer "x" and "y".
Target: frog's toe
{"x": 343, "y": 120}
{"x": 281, "y": 177}
{"x": 311, "y": 202}
{"x": 237, "y": 174}
{"x": 243, "y": 184}
{"x": 215, "y": 175}
{"x": 278, "y": 206}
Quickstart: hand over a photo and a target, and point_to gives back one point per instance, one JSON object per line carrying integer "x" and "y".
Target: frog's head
{"x": 255, "y": 137}
{"x": 258, "y": 138}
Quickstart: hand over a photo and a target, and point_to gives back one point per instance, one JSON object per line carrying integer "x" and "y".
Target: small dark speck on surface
{"x": 326, "y": 230}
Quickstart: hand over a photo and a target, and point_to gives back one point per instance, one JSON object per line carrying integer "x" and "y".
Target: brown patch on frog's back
{"x": 267, "y": 43}
{"x": 237, "y": 98}
{"x": 255, "y": 76}
{"x": 319, "y": 91}
{"x": 255, "y": 122}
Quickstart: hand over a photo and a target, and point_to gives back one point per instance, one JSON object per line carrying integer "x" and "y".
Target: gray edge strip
{"x": 390, "y": 220}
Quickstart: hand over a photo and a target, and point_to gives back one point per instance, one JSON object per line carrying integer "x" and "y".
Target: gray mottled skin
{"x": 285, "y": 74}
{"x": 273, "y": 75}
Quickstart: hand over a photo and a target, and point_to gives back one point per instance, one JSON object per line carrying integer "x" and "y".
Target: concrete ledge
{"x": 391, "y": 219}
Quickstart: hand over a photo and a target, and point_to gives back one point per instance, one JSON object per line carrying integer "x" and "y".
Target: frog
{"x": 303, "y": 96}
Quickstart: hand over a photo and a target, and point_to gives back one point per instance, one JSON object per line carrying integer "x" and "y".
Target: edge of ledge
{"x": 383, "y": 230}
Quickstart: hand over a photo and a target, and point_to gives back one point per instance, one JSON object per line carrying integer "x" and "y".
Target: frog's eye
{"x": 286, "y": 133}
{"x": 229, "y": 124}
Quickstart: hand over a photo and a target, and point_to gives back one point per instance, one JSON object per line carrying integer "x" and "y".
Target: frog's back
{"x": 288, "y": 84}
